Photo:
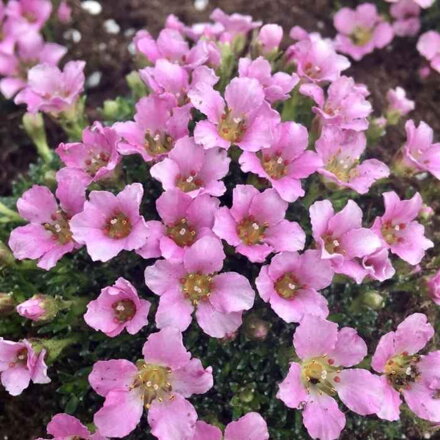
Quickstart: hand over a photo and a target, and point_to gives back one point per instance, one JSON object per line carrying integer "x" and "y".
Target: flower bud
{"x": 6, "y": 256}
{"x": 373, "y": 300}
{"x": 426, "y": 212}
{"x": 38, "y": 308}
{"x": 256, "y": 329}
{"x": 136, "y": 85}
{"x": 7, "y": 304}
{"x": 433, "y": 285}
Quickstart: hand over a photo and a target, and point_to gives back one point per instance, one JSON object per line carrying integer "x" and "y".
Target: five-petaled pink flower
{"x": 249, "y": 427}
{"x": 219, "y": 298}
{"x": 111, "y": 223}
{"x": 118, "y": 307}
{"x": 290, "y": 284}
{"x": 67, "y": 427}
{"x": 286, "y": 162}
{"x": 255, "y": 224}
{"x": 20, "y": 364}
{"x": 398, "y": 230}
{"x": 312, "y": 383}
{"x": 184, "y": 221}
{"x": 193, "y": 169}
{"x": 415, "y": 377}
{"x": 341, "y": 238}
{"x": 160, "y": 383}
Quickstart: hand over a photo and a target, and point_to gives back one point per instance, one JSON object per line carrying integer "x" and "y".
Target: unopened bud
{"x": 426, "y": 212}
{"x": 136, "y": 85}
{"x": 7, "y": 304}
{"x": 6, "y": 256}
{"x": 256, "y": 329}
{"x": 39, "y": 308}
{"x": 373, "y": 300}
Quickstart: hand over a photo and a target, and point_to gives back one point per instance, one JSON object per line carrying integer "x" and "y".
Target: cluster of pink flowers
{"x": 189, "y": 129}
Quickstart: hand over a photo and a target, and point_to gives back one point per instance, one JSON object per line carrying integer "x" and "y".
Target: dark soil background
{"x": 108, "y": 54}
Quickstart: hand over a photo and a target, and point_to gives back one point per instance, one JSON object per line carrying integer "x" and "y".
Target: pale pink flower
{"x": 341, "y": 238}
{"x": 429, "y": 46}
{"x": 415, "y": 377}
{"x": 118, "y": 307}
{"x": 345, "y": 106}
{"x": 361, "y": 30}
{"x": 285, "y": 162}
{"x": 20, "y": 365}
{"x": 218, "y": 299}
{"x": 255, "y": 224}
{"x": 398, "y": 103}
{"x": 421, "y": 3}
{"x": 269, "y": 38}
{"x": 378, "y": 266}
{"x": 249, "y": 427}
{"x": 243, "y": 118}
{"x": 192, "y": 169}
{"x": 276, "y": 87}
{"x": 316, "y": 59}
{"x": 340, "y": 152}
{"x": 290, "y": 284}
{"x": 67, "y": 427}
{"x": 398, "y": 230}
{"x": 158, "y": 124}
{"x": 48, "y": 235}
{"x": 407, "y": 15}
{"x": 96, "y": 156}
{"x": 111, "y": 223}
{"x": 433, "y": 285}
{"x": 184, "y": 221}
{"x": 28, "y": 15}
{"x": 160, "y": 382}
{"x": 64, "y": 12}
{"x": 310, "y": 385}
{"x": 420, "y": 153}
{"x": 51, "y": 90}
{"x": 234, "y": 24}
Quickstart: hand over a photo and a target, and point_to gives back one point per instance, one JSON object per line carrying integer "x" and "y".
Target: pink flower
{"x": 398, "y": 103}
{"x": 37, "y": 308}
{"x": 285, "y": 162}
{"x": 192, "y": 169}
{"x": 311, "y": 384}
{"x": 415, "y": 377}
{"x": 184, "y": 221}
{"x": 421, "y": 3}
{"x": 51, "y": 90}
{"x": 340, "y": 151}
{"x": 250, "y": 427}
{"x": 276, "y": 87}
{"x": 157, "y": 125}
{"x": 361, "y": 30}
{"x": 234, "y": 24}
{"x": 118, "y": 307}
{"x": 316, "y": 59}
{"x": 30, "y": 50}
{"x": 243, "y": 118}
{"x": 219, "y": 299}
{"x": 48, "y": 236}
{"x": 420, "y": 153}
{"x": 161, "y": 382}
{"x": 398, "y": 230}
{"x": 28, "y": 15}
{"x": 290, "y": 284}
{"x": 64, "y": 12}
{"x": 341, "y": 238}
{"x": 111, "y": 223}
{"x": 407, "y": 15}
{"x": 19, "y": 365}
{"x": 66, "y": 427}
{"x": 96, "y": 156}
{"x": 433, "y": 285}
{"x": 429, "y": 46}
{"x": 269, "y": 37}
{"x": 255, "y": 224}
{"x": 378, "y": 265}
{"x": 346, "y": 105}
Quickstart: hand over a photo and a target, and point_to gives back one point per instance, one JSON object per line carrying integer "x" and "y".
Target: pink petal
{"x": 350, "y": 348}
{"x": 64, "y": 425}
{"x": 205, "y": 256}
{"x": 37, "y": 204}
{"x": 217, "y": 324}
{"x": 285, "y": 236}
{"x": 413, "y": 334}
{"x": 291, "y": 390}
{"x": 250, "y": 427}
{"x": 192, "y": 378}
{"x": 390, "y": 408}
{"x": 204, "y": 431}
{"x": 174, "y": 310}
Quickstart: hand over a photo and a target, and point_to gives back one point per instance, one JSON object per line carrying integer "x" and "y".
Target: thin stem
{"x": 11, "y": 214}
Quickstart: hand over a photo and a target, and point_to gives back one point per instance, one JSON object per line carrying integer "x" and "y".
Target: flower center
{"x": 182, "y": 233}
{"x": 361, "y": 36}
{"x": 332, "y": 245}
{"x": 391, "y": 232}
{"x": 20, "y": 359}
{"x": 157, "y": 143}
{"x": 124, "y": 310}
{"x": 401, "y": 371}
{"x": 190, "y": 183}
{"x": 231, "y": 128}
{"x": 311, "y": 70}
{"x": 197, "y": 287}
{"x": 320, "y": 374}
{"x": 250, "y": 232}
{"x": 153, "y": 382}
{"x": 275, "y": 166}
{"x": 30, "y": 16}
{"x": 343, "y": 169}
{"x": 118, "y": 226}
{"x": 60, "y": 227}
{"x": 287, "y": 286}
{"x": 95, "y": 162}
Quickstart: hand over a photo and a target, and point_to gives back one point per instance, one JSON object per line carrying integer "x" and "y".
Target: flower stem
{"x": 9, "y": 213}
